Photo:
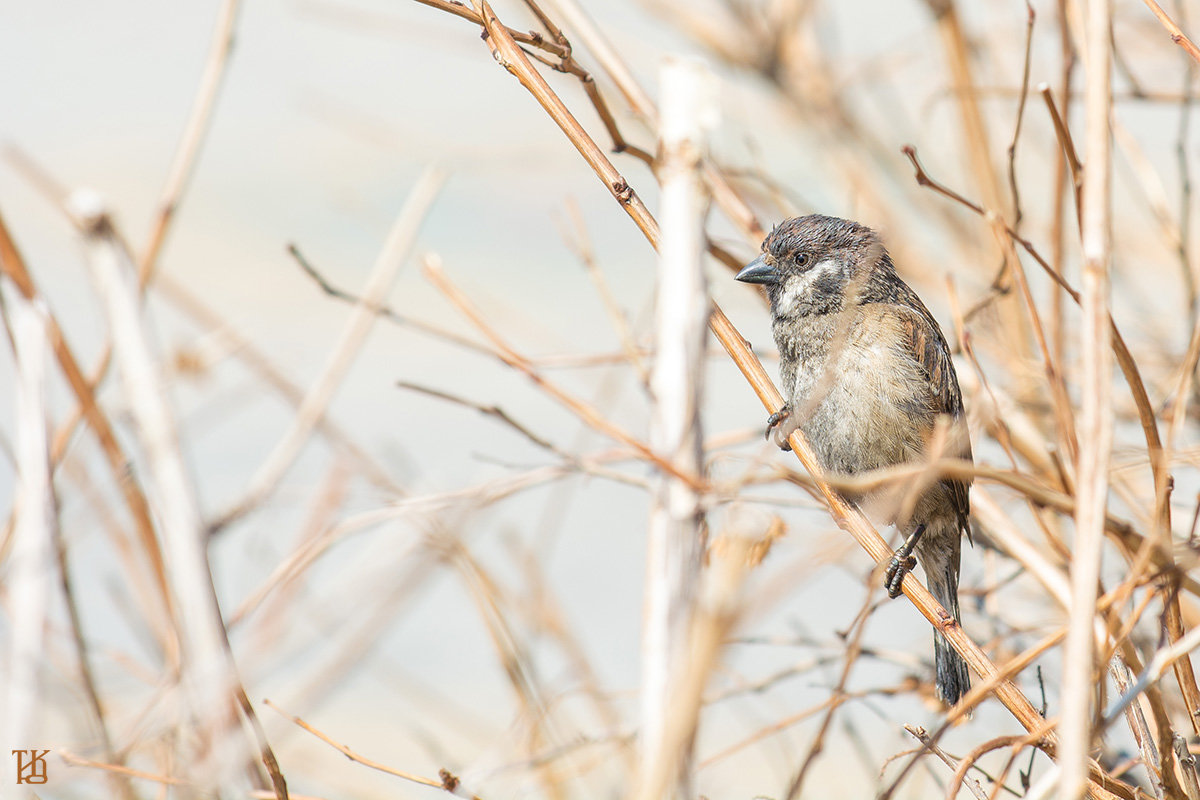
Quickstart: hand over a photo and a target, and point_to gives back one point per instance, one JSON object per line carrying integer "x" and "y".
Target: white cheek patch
{"x": 799, "y": 287}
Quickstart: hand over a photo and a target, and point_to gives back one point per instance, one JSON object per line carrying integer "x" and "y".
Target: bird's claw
{"x": 898, "y": 567}
{"x": 902, "y": 563}
{"x": 773, "y": 423}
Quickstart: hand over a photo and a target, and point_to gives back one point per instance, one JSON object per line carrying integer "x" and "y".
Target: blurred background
{"x": 440, "y": 588}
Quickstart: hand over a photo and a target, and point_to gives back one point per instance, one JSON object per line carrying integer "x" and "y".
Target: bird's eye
{"x": 801, "y": 259}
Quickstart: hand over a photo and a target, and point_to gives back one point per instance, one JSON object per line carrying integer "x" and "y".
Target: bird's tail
{"x": 940, "y": 557}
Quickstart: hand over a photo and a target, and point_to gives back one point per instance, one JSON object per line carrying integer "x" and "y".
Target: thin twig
{"x": 620, "y": 323}
{"x": 433, "y": 270}
{"x": 119, "y": 769}
{"x": 466, "y": 12}
{"x": 1066, "y": 144}
{"x": 83, "y": 650}
{"x": 193, "y": 137}
{"x": 1017, "y": 743}
{"x": 246, "y": 350}
{"x": 514, "y": 654}
{"x": 446, "y": 780}
{"x": 1012, "y": 147}
{"x": 922, "y": 736}
{"x": 491, "y": 411}
{"x": 1177, "y": 35}
{"x": 384, "y": 311}
{"x": 395, "y": 250}
{"x": 853, "y": 650}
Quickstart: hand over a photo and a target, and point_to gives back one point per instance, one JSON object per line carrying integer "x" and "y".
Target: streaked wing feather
{"x": 929, "y": 350}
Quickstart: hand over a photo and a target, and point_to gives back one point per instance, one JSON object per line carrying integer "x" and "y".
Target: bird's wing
{"x": 924, "y": 343}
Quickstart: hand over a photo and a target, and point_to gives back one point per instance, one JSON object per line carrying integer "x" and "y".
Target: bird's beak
{"x": 760, "y": 270}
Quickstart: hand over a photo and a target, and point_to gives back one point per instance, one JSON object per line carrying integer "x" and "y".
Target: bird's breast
{"x": 861, "y": 404}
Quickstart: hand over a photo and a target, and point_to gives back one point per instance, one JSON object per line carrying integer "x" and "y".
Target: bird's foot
{"x": 780, "y": 427}
{"x": 902, "y": 563}
{"x": 898, "y": 567}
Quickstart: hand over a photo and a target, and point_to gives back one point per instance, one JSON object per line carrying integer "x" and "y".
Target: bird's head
{"x": 811, "y": 264}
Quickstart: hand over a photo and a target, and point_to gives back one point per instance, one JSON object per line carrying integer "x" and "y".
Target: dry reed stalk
{"x": 31, "y": 562}
{"x": 1136, "y": 718}
{"x": 1096, "y": 424}
{"x": 13, "y": 266}
{"x": 1067, "y": 150}
{"x": 675, "y": 534}
{"x": 1164, "y": 658}
{"x": 495, "y": 412}
{"x": 509, "y": 55}
{"x": 716, "y": 609}
{"x": 1187, "y": 762}
{"x": 208, "y": 675}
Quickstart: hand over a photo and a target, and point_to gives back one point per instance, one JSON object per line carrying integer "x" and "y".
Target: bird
{"x": 868, "y": 378}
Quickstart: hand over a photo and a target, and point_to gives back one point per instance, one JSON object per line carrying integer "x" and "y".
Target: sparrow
{"x": 867, "y": 377}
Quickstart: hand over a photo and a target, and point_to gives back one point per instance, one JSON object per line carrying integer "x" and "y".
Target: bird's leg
{"x": 902, "y": 563}
{"x": 776, "y": 425}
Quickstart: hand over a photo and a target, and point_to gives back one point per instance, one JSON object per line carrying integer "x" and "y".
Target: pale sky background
{"x": 328, "y": 114}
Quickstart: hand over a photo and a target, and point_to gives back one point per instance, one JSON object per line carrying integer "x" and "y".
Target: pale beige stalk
{"x": 1096, "y": 420}
{"x": 675, "y": 544}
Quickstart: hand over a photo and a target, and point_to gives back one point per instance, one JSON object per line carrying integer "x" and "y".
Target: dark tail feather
{"x": 953, "y": 681}
{"x": 941, "y": 572}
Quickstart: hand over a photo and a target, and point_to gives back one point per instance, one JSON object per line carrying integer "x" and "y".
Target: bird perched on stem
{"x": 867, "y": 377}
